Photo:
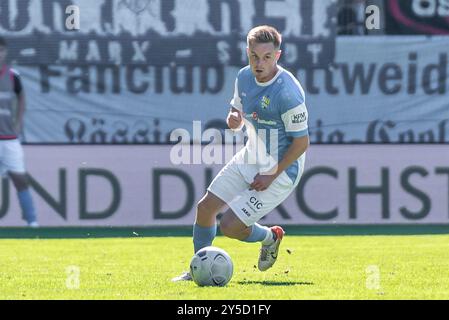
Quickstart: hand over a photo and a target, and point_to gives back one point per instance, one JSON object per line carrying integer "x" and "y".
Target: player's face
{"x": 2, "y": 54}
{"x": 263, "y": 58}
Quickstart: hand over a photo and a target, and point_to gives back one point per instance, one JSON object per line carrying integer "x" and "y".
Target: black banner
{"x": 162, "y": 33}
{"x": 417, "y": 17}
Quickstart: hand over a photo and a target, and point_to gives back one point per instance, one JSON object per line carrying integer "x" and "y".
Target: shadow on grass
{"x": 278, "y": 283}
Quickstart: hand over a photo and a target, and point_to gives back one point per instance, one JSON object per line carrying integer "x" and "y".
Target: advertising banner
{"x": 142, "y": 186}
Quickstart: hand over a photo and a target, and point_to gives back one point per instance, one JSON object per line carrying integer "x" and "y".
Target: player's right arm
{"x": 18, "y": 90}
{"x": 234, "y": 118}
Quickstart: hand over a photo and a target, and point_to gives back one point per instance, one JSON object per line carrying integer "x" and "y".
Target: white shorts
{"x": 11, "y": 157}
{"x": 232, "y": 186}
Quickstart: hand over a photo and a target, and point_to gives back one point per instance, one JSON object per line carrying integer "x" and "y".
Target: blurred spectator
{"x": 351, "y": 17}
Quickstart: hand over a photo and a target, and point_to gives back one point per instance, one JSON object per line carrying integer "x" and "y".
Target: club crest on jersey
{"x": 255, "y": 116}
{"x": 299, "y": 117}
{"x": 265, "y": 102}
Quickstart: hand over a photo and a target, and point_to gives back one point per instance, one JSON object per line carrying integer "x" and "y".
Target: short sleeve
{"x": 236, "y": 101}
{"x": 293, "y": 113}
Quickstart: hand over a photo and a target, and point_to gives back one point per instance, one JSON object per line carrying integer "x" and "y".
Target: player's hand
{"x": 262, "y": 182}
{"x": 234, "y": 120}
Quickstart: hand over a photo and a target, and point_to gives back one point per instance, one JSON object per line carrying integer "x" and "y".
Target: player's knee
{"x": 20, "y": 181}
{"x": 228, "y": 227}
{"x": 202, "y": 207}
{"x": 204, "y": 212}
{"x": 205, "y": 207}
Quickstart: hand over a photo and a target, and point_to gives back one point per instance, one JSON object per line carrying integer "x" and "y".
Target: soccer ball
{"x": 211, "y": 266}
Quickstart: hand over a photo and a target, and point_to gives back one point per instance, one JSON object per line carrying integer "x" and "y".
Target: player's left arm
{"x": 297, "y": 148}
{"x": 20, "y": 112}
{"x": 21, "y": 103}
{"x": 295, "y": 122}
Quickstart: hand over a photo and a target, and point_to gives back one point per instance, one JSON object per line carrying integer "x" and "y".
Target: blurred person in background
{"x": 12, "y": 109}
{"x": 351, "y": 17}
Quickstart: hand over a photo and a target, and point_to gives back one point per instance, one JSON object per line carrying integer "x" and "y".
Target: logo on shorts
{"x": 246, "y": 212}
{"x": 257, "y": 204}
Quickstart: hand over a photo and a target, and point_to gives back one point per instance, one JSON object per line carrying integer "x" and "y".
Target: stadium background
{"x": 103, "y": 100}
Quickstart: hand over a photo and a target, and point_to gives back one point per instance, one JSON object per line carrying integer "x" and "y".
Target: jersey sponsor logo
{"x": 256, "y": 118}
{"x": 267, "y": 122}
{"x": 299, "y": 117}
{"x": 265, "y": 102}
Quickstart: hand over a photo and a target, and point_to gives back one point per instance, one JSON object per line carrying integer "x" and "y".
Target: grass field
{"x": 313, "y": 267}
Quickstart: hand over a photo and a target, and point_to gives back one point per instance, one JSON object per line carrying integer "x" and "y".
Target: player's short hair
{"x": 2, "y": 41}
{"x": 264, "y": 34}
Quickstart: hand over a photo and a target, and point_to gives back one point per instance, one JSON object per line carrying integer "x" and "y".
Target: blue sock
{"x": 258, "y": 233}
{"x": 203, "y": 236}
{"x": 26, "y": 203}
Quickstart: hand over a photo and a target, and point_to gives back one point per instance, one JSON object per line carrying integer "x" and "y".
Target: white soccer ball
{"x": 211, "y": 266}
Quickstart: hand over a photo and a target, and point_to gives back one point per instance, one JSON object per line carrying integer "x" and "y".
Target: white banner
{"x": 139, "y": 186}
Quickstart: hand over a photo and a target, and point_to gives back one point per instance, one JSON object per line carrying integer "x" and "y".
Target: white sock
{"x": 269, "y": 238}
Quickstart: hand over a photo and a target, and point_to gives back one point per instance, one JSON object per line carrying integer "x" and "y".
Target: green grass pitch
{"x": 308, "y": 267}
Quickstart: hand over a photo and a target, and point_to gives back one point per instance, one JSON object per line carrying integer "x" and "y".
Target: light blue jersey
{"x": 274, "y": 113}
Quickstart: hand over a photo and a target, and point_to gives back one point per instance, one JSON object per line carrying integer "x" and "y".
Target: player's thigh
{"x": 254, "y": 205}
{"x": 228, "y": 183}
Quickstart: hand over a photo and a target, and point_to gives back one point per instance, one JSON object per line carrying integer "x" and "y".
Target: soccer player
{"x": 269, "y": 101}
{"x": 11, "y": 124}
